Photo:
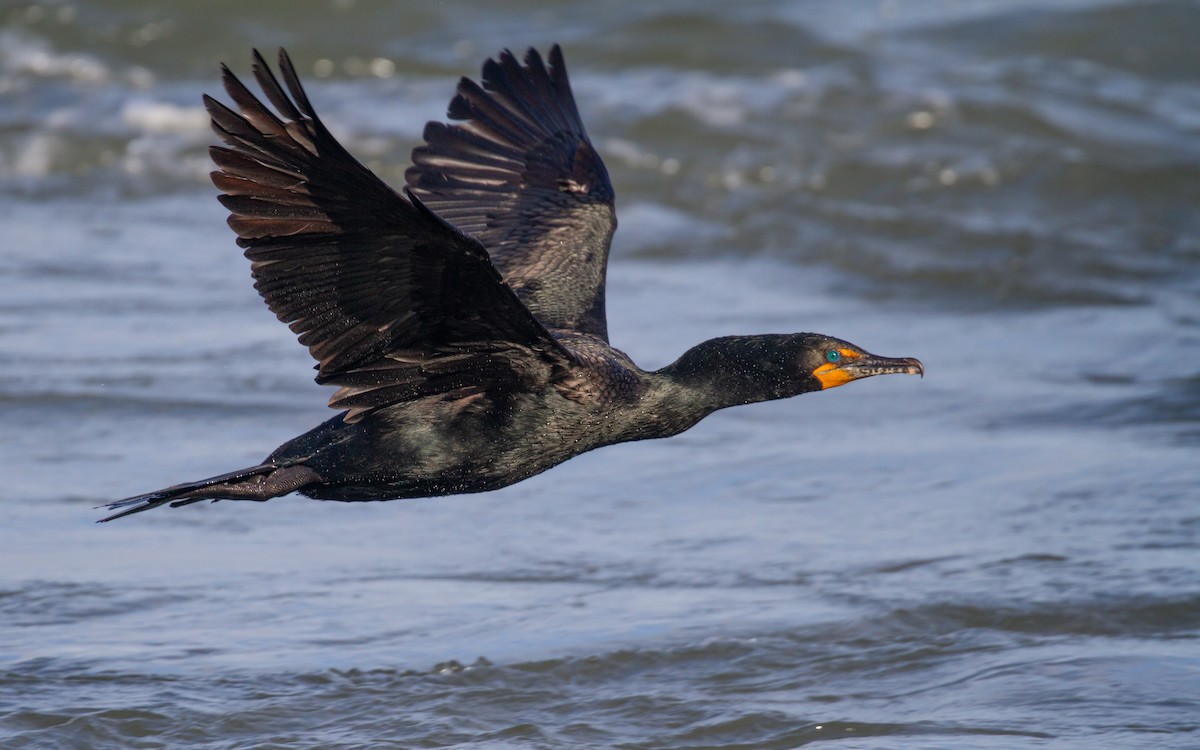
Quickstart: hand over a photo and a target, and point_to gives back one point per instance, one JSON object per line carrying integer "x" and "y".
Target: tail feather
{"x": 179, "y": 494}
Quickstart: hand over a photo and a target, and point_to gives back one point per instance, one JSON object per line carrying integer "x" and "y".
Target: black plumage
{"x": 462, "y": 320}
{"x": 521, "y": 176}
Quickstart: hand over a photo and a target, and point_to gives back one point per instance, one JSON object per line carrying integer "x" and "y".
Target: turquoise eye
{"x": 833, "y": 355}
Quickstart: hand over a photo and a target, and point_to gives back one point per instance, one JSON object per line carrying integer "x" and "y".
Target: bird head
{"x": 734, "y": 370}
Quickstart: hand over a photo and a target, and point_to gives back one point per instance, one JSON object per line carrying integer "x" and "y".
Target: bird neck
{"x": 735, "y": 370}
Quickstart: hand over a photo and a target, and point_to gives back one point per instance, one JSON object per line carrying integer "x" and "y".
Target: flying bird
{"x": 461, "y": 319}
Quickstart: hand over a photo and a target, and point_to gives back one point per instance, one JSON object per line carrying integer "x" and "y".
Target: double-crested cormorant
{"x": 463, "y": 319}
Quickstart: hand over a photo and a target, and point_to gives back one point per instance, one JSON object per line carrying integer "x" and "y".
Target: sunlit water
{"x": 1004, "y": 554}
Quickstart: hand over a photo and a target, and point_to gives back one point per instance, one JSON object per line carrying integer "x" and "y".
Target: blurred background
{"x": 1003, "y": 554}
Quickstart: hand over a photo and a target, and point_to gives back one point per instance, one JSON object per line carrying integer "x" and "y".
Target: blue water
{"x": 1002, "y": 554}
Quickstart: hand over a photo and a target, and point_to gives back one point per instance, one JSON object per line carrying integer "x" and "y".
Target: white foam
{"x": 22, "y": 54}
{"x": 36, "y": 157}
{"x": 163, "y": 117}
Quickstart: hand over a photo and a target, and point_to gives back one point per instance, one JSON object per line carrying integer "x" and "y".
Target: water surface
{"x": 1000, "y": 555}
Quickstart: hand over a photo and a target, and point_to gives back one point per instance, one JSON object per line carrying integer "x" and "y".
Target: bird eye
{"x": 833, "y": 355}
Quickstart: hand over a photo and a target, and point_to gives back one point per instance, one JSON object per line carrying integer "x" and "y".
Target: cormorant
{"x": 462, "y": 319}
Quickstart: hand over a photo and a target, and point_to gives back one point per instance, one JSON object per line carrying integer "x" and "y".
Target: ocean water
{"x": 1004, "y": 554}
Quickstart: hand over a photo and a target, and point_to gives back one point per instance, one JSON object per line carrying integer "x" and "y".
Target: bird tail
{"x": 260, "y": 482}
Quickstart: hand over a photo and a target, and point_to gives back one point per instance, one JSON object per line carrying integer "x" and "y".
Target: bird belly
{"x": 422, "y": 449}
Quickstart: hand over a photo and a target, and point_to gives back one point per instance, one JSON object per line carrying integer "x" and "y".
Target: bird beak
{"x": 854, "y": 366}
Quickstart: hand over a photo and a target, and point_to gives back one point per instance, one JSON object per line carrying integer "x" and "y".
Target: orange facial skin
{"x": 854, "y": 365}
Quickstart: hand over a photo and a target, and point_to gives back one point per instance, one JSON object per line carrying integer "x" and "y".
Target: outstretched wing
{"x": 521, "y": 176}
{"x": 393, "y": 302}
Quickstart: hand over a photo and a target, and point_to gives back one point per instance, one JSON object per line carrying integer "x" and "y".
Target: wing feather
{"x": 520, "y": 175}
{"x": 391, "y": 300}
